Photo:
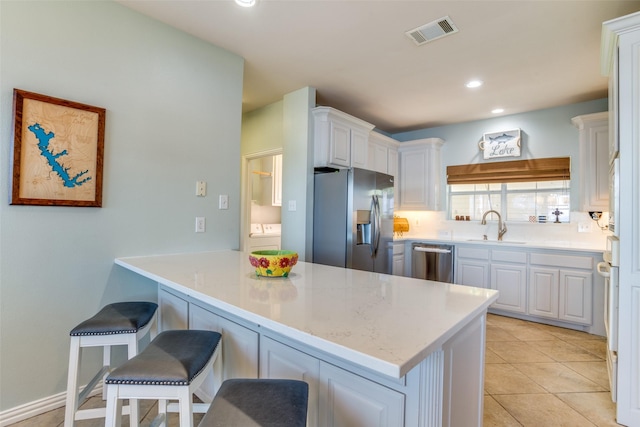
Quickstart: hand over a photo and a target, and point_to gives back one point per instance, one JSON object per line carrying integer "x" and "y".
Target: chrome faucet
{"x": 502, "y": 227}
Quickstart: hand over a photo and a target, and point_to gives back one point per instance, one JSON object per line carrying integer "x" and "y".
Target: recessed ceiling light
{"x": 246, "y": 3}
{"x": 497, "y": 110}
{"x": 473, "y": 84}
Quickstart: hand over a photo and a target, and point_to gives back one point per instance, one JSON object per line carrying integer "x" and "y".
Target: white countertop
{"x": 384, "y": 323}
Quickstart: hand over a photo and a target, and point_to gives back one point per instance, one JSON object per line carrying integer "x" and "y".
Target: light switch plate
{"x": 223, "y": 201}
{"x": 200, "y": 224}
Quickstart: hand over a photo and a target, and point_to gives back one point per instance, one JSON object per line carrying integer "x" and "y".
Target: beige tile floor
{"x": 540, "y": 375}
{"x": 536, "y": 375}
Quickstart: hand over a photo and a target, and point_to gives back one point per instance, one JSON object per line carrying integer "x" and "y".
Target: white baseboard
{"x": 37, "y": 407}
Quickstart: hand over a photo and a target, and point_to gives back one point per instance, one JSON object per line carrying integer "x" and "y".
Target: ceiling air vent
{"x": 432, "y": 31}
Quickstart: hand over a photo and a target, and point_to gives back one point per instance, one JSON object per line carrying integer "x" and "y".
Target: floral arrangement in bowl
{"x": 273, "y": 263}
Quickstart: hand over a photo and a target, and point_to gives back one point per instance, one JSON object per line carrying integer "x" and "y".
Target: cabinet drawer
{"x": 507, "y": 256}
{"x": 475, "y": 253}
{"x": 566, "y": 261}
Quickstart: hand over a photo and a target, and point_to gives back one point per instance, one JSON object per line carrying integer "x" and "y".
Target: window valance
{"x": 550, "y": 169}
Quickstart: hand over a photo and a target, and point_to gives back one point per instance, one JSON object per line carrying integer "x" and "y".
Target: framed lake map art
{"x": 58, "y": 148}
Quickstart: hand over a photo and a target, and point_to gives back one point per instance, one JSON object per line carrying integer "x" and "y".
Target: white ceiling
{"x": 530, "y": 54}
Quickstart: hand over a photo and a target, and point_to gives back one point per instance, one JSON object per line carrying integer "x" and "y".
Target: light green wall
{"x": 545, "y": 133}
{"x": 262, "y": 129}
{"x": 173, "y": 117}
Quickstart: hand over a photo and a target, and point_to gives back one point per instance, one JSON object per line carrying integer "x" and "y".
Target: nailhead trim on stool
{"x": 173, "y": 366}
{"x": 259, "y": 403}
{"x": 121, "y": 323}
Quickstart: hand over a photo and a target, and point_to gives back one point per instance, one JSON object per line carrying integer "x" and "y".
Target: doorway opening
{"x": 262, "y": 225}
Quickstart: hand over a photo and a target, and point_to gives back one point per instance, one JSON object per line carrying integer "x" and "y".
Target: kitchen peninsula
{"x": 376, "y": 350}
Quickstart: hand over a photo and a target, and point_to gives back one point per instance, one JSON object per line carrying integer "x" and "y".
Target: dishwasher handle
{"x": 431, "y": 250}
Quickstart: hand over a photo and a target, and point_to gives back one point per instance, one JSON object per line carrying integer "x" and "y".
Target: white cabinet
{"x": 419, "y": 181}
{"x": 398, "y": 259}
{"x": 543, "y": 292}
{"x": 558, "y": 292}
{"x": 594, "y": 161}
{"x": 278, "y": 360}
{"x": 472, "y": 266}
{"x": 240, "y": 344}
{"x": 347, "y": 399}
{"x": 340, "y": 140}
{"x": 511, "y": 281}
{"x": 383, "y": 154}
{"x": 174, "y": 311}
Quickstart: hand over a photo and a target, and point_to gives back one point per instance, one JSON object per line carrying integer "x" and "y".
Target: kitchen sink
{"x": 506, "y": 242}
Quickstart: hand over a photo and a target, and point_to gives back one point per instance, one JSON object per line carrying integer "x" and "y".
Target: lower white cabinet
{"x": 397, "y": 267}
{"x": 561, "y": 294}
{"x": 239, "y": 347}
{"x": 278, "y": 360}
{"x": 240, "y": 344}
{"x": 472, "y": 267}
{"x": 347, "y": 399}
{"x": 174, "y": 311}
{"x": 537, "y": 285}
{"x": 511, "y": 281}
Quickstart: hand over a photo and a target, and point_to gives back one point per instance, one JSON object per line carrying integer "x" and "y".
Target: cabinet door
{"x": 472, "y": 273}
{"x": 174, "y": 311}
{"x": 398, "y": 265}
{"x": 392, "y": 161}
{"x": 239, "y": 344}
{"x": 359, "y": 148}
{"x": 511, "y": 282}
{"x": 377, "y": 157}
{"x": 278, "y": 360}
{"x": 543, "y": 292}
{"x": 576, "y": 290}
{"x": 339, "y": 144}
{"x": 347, "y": 399}
{"x": 413, "y": 177}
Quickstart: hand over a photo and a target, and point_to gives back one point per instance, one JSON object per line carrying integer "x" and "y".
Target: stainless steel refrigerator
{"x": 353, "y": 219}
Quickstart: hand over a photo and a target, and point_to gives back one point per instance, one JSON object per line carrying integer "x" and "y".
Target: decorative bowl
{"x": 273, "y": 263}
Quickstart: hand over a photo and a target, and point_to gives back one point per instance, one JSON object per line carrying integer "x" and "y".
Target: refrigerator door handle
{"x": 378, "y": 224}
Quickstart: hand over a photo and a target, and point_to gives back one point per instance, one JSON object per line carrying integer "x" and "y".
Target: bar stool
{"x": 122, "y": 323}
{"x": 172, "y": 367}
{"x": 259, "y": 403}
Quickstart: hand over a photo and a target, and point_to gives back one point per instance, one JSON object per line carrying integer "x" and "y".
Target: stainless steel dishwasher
{"x": 432, "y": 262}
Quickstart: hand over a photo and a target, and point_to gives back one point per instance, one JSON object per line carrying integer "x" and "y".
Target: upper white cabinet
{"x": 383, "y": 154}
{"x": 340, "y": 140}
{"x": 419, "y": 180}
{"x": 594, "y": 161}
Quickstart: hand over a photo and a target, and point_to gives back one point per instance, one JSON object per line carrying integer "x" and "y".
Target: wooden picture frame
{"x": 58, "y": 149}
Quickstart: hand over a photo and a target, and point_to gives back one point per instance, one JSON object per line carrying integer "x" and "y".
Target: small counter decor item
{"x": 501, "y": 144}
{"x": 58, "y": 150}
{"x": 273, "y": 263}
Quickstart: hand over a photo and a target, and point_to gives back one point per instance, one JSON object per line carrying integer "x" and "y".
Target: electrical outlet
{"x": 584, "y": 227}
{"x": 200, "y": 224}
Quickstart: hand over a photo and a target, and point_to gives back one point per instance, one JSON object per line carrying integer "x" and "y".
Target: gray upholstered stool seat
{"x": 122, "y": 323}
{"x": 172, "y": 367}
{"x": 259, "y": 402}
{"x": 117, "y": 318}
